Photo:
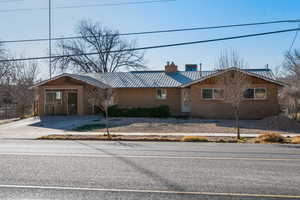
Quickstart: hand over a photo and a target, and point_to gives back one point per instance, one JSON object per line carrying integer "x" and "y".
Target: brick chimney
{"x": 171, "y": 68}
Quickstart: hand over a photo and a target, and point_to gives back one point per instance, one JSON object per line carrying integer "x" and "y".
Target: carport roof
{"x": 84, "y": 78}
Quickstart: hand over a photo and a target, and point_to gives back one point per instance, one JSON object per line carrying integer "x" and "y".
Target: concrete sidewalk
{"x": 175, "y": 134}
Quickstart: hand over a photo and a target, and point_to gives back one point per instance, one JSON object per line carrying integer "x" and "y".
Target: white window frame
{"x": 213, "y": 94}
{"x": 255, "y": 88}
{"x": 159, "y": 97}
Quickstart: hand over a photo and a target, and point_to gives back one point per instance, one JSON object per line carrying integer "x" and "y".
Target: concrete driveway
{"x": 33, "y": 128}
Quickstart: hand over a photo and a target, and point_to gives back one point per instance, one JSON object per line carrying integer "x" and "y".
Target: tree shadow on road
{"x": 156, "y": 177}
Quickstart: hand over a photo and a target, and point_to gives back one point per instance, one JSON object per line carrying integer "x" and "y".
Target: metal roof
{"x": 155, "y": 79}
{"x": 158, "y": 79}
{"x": 84, "y": 78}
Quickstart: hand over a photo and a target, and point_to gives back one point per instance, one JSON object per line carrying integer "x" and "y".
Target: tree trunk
{"x": 106, "y": 122}
{"x": 237, "y": 121}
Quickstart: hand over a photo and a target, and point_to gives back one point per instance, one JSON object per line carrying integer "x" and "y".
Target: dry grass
{"x": 270, "y": 137}
{"x": 227, "y": 140}
{"x": 194, "y": 139}
{"x": 295, "y": 140}
{"x": 112, "y": 138}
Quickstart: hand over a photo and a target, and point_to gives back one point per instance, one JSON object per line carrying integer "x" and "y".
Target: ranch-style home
{"x": 192, "y": 92}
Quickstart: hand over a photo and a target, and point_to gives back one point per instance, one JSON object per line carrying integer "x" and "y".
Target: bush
{"x": 194, "y": 139}
{"x": 296, "y": 140}
{"x": 270, "y": 137}
{"x": 161, "y": 112}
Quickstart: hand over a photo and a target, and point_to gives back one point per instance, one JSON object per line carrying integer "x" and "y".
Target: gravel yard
{"x": 175, "y": 125}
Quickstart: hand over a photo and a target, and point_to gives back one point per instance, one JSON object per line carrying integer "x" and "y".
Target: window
{"x": 213, "y": 93}
{"x": 207, "y": 93}
{"x": 249, "y": 93}
{"x": 219, "y": 93}
{"x": 54, "y": 97}
{"x": 255, "y": 93}
{"x": 161, "y": 94}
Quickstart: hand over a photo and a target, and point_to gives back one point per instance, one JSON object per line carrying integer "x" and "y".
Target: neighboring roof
{"x": 157, "y": 79}
{"x": 84, "y": 78}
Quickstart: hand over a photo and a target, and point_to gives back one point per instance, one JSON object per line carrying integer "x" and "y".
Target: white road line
{"x": 148, "y": 156}
{"x": 149, "y": 191}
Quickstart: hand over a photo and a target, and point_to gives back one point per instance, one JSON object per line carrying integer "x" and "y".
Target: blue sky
{"x": 256, "y": 51}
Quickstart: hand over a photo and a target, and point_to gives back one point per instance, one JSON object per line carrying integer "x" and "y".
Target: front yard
{"x": 178, "y": 125}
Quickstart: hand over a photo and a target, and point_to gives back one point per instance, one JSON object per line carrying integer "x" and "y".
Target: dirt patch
{"x": 193, "y": 125}
{"x": 279, "y": 123}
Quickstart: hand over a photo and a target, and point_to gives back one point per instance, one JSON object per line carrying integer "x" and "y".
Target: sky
{"x": 256, "y": 51}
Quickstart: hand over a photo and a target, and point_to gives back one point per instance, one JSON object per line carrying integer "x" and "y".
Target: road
{"x": 31, "y": 169}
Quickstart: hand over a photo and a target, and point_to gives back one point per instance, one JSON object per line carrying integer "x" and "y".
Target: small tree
{"x": 235, "y": 82}
{"x": 102, "y": 98}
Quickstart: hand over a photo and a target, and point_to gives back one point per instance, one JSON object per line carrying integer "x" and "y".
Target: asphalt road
{"x": 32, "y": 169}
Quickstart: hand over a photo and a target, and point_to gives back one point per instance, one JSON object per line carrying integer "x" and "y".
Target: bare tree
{"x": 4, "y": 66}
{"x": 23, "y": 78}
{"x": 112, "y": 51}
{"x": 292, "y": 66}
{"x": 235, "y": 82}
{"x": 103, "y": 99}
{"x": 290, "y": 95}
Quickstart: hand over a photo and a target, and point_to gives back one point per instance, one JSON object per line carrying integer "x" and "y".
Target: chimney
{"x": 191, "y": 67}
{"x": 171, "y": 68}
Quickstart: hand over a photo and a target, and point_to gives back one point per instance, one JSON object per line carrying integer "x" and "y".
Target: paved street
{"x": 32, "y": 169}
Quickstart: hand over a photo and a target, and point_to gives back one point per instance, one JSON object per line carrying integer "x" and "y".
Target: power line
{"x": 88, "y": 6}
{"x": 294, "y": 39}
{"x": 10, "y": 1}
{"x": 159, "y": 46}
{"x": 160, "y": 31}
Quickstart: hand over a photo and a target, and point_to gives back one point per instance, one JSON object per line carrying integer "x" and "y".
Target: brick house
{"x": 191, "y": 92}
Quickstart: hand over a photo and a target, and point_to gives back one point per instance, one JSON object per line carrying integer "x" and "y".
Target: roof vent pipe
{"x": 200, "y": 69}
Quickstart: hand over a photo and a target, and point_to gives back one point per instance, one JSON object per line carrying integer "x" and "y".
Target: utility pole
{"x": 50, "y": 43}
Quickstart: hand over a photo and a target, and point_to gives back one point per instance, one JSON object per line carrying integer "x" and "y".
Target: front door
{"x": 72, "y": 103}
{"x": 186, "y": 100}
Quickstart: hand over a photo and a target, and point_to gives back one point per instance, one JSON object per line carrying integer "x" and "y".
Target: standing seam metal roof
{"x": 157, "y": 79}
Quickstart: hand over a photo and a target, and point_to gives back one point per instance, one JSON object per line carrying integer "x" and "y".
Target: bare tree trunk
{"x": 237, "y": 121}
{"x": 106, "y": 122}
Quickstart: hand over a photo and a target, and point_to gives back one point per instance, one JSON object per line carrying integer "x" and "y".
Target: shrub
{"x": 270, "y": 137}
{"x": 194, "y": 139}
{"x": 296, "y": 140}
{"x": 160, "y": 111}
